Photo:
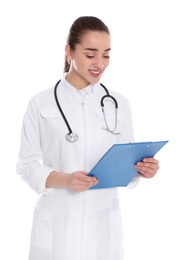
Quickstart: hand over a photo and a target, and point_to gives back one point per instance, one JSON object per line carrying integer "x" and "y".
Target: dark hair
{"x": 79, "y": 27}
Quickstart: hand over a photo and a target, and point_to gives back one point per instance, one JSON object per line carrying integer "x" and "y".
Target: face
{"x": 89, "y": 59}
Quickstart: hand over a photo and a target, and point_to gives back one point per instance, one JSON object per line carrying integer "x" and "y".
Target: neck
{"x": 76, "y": 82}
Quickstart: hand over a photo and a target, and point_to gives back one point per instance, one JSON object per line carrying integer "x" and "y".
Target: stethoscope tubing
{"x": 60, "y": 109}
{"x": 72, "y": 137}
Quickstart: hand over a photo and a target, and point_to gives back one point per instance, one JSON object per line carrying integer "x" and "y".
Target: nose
{"x": 99, "y": 64}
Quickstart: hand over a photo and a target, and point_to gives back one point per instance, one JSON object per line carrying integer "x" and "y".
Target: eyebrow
{"x": 93, "y": 49}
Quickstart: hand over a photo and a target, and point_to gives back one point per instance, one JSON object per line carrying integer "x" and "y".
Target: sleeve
{"x": 126, "y": 129}
{"x": 128, "y": 136}
{"x": 134, "y": 182}
{"x": 29, "y": 165}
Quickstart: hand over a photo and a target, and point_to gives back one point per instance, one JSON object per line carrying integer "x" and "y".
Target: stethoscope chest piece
{"x": 72, "y": 137}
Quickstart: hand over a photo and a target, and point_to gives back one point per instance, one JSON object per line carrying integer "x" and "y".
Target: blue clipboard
{"x": 116, "y": 167}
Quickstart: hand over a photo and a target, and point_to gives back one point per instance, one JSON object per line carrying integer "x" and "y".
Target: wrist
{"x": 57, "y": 180}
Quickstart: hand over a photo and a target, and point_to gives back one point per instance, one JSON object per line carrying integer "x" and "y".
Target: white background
{"x": 148, "y": 65}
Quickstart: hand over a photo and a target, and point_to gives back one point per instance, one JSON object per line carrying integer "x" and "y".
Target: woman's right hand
{"x": 79, "y": 181}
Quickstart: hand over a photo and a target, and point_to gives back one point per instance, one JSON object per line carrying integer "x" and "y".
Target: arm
{"x": 39, "y": 177}
{"x": 76, "y": 181}
{"x": 29, "y": 165}
{"x": 149, "y": 166}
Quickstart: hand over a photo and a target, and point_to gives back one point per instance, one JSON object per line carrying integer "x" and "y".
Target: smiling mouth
{"x": 95, "y": 73}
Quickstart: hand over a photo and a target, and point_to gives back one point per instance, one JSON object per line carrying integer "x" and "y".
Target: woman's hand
{"x": 79, "y": 181}
{"x": 148, "y": 167}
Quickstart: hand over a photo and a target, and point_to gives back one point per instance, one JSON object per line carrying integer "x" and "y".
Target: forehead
{"x": 95, "y": 39}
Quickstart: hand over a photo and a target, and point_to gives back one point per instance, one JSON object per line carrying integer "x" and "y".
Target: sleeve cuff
{"x": 41, "y": 187}
{"x": 134, "y": 182}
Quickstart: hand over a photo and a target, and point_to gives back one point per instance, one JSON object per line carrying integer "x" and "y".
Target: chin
{"x": 94, "y": 80}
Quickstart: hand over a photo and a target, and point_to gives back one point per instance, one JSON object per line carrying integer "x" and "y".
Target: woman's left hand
{"x": 148, "y": 167}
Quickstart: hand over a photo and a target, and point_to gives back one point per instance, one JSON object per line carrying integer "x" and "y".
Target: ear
{"x": 68, "y": 51}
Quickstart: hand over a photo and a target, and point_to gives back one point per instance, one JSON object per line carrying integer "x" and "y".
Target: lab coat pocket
{"x": 50, "y": 112}
{"x": 109, "y": 118}
{"x": 51, "y": 125}
{"x": 42, "y": 228}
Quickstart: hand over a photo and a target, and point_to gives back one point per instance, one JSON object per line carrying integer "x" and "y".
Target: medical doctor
{"x": 65, "y": 132}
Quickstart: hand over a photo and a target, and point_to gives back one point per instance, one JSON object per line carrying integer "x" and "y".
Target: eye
{"x": 90, "y": 56}
{"x": 106, "y": 55}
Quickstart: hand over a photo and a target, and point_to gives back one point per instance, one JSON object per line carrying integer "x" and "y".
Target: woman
{"x": 72, "y": 222}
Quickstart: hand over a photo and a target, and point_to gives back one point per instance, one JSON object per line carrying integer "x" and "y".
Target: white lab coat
{"x": 69, "y": 225}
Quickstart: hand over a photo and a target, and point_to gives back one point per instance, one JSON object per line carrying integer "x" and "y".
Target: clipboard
{"x": 116, "y": 166}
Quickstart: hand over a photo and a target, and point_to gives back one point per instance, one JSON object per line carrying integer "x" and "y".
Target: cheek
{"x": 106, "y": 62}
{"x": 80, "y": 64}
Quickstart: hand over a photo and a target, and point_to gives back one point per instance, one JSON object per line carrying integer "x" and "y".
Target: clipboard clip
{"x": 132, "y": 143}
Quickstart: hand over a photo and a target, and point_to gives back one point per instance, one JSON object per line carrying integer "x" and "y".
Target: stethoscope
{"x": 73, "y": 137}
